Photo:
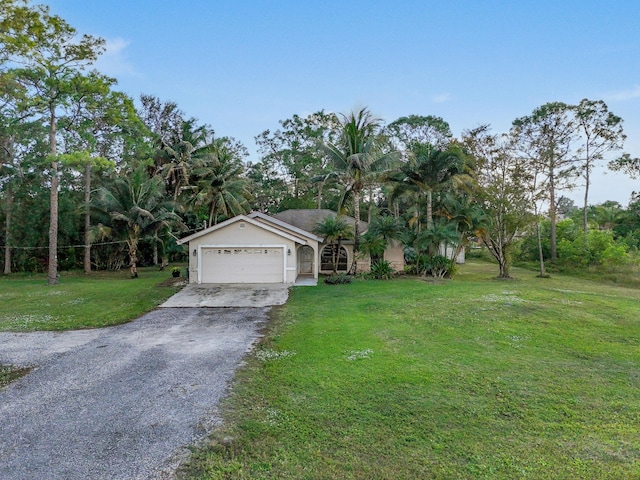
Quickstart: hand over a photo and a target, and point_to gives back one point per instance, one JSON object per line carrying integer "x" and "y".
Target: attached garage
{"x": 242, "y": 264}
{"x": 249, "y": 249}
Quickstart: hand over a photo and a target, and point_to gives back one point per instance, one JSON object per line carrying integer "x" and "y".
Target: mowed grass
{"x": 463, "y": 379}
{"x": 99, "y": 299}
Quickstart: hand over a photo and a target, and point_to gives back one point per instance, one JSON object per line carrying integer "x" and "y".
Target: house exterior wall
{"x": 349, "y": 249}
{"x": 243, "y": 234}
{"x": 449, "y": 252}
{"x": 394, "y": 254}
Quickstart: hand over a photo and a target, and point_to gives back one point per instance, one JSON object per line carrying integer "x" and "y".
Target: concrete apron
{"x": 231, "y": 295}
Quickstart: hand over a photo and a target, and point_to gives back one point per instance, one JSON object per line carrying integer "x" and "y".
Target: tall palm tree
{"x": 354, "y": 155}
{"x": 428, "y": 241}
{"x": 469, "y": 217}
{"x": 194, "y": 143}
{"x": 429, "y": 171}
{"x": 219, "y": 185}
{"x": 135, "y": 204}
{"x": 334, "y": 229}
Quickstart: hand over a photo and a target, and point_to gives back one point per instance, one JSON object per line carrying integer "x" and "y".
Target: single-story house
{"x": 258, "y": 248}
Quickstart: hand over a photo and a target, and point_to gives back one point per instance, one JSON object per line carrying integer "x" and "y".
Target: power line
{"x": 67, "y": 246}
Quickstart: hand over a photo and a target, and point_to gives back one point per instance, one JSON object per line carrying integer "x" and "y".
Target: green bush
{"x": 381, "y": 270}
{"x": 440, "y": 267}
{"x": 339, "y": 279}
{"x": 615, "y": 255}
{"x": 599, "y": 249}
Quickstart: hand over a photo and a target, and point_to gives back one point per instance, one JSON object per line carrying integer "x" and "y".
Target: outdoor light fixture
{"x": 195, "y": 252}
{"x": 289, "y": 251}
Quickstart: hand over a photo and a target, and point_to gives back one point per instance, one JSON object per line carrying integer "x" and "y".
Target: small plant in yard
{"x": 340, "y": 279}
{"x": 175, "y": 271}
{"x": 439, "y": 266}
{"x": 381, "y": 270}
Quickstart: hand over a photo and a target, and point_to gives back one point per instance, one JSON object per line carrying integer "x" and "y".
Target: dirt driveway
{"x": 120, "y": 402}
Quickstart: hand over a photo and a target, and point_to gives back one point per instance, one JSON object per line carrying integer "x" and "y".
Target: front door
{"x": 306, "y": 260}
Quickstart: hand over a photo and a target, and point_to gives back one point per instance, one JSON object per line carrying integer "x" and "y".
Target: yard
{"x": 80, "y": 301}
{"x": 465, "y": 379}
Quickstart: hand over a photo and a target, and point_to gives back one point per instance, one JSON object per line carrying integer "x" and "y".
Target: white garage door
{"x": 242, "y": 265}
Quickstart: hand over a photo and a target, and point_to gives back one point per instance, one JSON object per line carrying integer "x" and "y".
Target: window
{"x": 326, "y": 258}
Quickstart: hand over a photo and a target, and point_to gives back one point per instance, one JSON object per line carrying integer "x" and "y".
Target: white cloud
{"x": 443, "y": 97}
{"x": 114, "y": 61}
{"x": 624, "y": 95}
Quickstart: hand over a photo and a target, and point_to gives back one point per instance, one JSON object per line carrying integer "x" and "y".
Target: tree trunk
{"x": 133, "y": 257}
{"x": 585, "y": 219}
{"x": 552, "y": 217}
{"x": 356, "y": 231}
{"x": 87, "y": 218}
{"x": 504, "y": 266}
{"x": 155, "y": 248}
{"x": 335, "y": 254}
{"x": 7, "y": 231}
{"x": 320, "y": 187}
{"x": 53, "y": 209}
{"x": 541, "y": 256}
{"x": 497, "y": 249}
{"x": 429, "y": 209}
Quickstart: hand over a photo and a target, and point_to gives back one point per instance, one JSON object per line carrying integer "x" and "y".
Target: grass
{"x": 9, "y": 373}
{"x": 473, "y": 378}
{"x": 79, "y": 301}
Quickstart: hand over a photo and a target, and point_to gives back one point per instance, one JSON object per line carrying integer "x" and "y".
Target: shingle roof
{"x": 307, "y": 219}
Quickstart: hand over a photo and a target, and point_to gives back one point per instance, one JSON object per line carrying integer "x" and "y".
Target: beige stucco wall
{"x": 395, "y": 255}
{"x": 249, "y": 235}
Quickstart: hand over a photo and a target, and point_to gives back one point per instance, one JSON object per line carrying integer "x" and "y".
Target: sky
{"x": 242, "y": 66}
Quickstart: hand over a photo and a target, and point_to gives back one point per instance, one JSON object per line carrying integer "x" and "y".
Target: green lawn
{"x": 463, "y": 379}
{"x": 79, "y": 301}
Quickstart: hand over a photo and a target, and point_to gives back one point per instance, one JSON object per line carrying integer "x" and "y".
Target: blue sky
{"x": 241, "y": 66}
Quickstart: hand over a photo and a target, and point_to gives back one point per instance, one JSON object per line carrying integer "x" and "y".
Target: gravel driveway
{"x": 121, "y": 402}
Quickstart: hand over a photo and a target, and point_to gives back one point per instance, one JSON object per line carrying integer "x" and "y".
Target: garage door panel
{"x": 242, "y": 265}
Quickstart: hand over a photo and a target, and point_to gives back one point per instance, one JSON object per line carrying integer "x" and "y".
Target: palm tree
{"x": 429, "y": 171}
{"x": 428, "y": 241}
{"x": 135, "y": 204}
{"x": 334, "y": 229}
{"x": 219, "y": 185}
{"x": 469, "y": 217}
{"x": 607, "y": 215}
{"x": 382, "y": 231}
{"x": 194, "y": 143}
{"x": 354, "y": 155}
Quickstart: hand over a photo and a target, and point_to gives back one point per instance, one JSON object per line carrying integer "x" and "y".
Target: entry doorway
{"x": 306, "y": 260}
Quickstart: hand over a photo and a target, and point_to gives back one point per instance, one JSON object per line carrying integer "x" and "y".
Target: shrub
{"x": 381, "y": 270}
{"x": 600, "y": 249}
{"x": 615, "y": 255}
{"x": 440, "y": 267}
{"x": 339, "y": 279}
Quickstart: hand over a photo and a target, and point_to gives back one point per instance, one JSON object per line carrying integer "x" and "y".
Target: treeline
{"x": 92, "y": 179}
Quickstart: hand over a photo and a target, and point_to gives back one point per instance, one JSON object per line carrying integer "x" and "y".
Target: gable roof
{"x": 307, "y": 219}
{"x": 243, "y": 218}
{"x": 279, "y": 223}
